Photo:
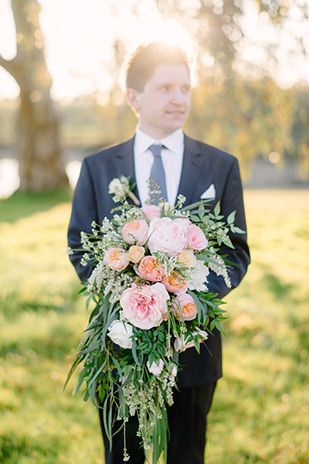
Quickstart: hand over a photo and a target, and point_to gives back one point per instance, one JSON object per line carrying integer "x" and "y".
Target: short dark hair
{"x": 143, "y": 61}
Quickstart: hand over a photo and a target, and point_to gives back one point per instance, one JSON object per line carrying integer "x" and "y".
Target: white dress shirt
{"x": 172, "y": 157}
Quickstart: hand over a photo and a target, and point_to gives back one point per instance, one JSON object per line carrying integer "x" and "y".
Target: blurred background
{"x": 61, "y": 98}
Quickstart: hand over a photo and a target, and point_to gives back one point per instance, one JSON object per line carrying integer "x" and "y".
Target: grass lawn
{"x": 260, "y": 412}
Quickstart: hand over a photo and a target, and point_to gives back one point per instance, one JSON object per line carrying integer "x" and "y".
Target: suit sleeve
{"x": 232, "y": 199}
{"x": 84, "y": 211}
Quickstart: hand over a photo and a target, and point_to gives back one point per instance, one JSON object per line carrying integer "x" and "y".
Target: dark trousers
{"x": 187, "y": 419}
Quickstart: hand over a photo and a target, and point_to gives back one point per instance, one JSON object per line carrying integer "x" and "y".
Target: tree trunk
{"x": 41, "y": 166}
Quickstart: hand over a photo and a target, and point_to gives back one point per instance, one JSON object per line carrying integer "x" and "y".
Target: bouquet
{"x": 151, "y": 302}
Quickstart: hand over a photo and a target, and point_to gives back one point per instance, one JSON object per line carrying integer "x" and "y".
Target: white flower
{"x": 199, "y": 277}
{"x": 220, "y": 269}
{"x": 119, "y": 187}
{"x": 173, "y": 369}
{"x": 120, "y": 333}
{"x": 156, "y": 367}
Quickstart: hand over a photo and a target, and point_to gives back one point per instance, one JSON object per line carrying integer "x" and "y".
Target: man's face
{"x": 164, "y": 104}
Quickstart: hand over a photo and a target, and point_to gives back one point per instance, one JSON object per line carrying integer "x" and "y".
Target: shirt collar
{"x": 173, "y": 142}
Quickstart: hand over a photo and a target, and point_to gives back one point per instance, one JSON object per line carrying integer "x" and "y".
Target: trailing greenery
{"x": 259, "y": 412}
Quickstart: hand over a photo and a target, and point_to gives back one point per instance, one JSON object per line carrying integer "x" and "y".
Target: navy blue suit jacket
{"x": 203, "y": 165}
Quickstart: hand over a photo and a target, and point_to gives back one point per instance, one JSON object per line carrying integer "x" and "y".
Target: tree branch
{"x": 9, "y": 66}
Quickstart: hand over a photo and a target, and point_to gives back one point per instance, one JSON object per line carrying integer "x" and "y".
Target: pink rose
{"x": 196, "y": 238}
{"x": 175, "y": 283}
{"x": 116, "y": 258}
{"x": 144, "y": 306}
{"x": 181, "y": 345}
{"x": 149, "y": 270}
{"x": 167, "y": 235}
{"x": 135, "y": 232}
{"x": 185, "y": 307}
{"x": 151, "y": 211}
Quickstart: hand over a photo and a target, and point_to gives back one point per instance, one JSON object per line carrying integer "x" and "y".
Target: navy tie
{"x": 157, "y": 169}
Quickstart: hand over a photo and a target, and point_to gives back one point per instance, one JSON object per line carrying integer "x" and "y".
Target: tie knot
{"x": 156, "y": 150}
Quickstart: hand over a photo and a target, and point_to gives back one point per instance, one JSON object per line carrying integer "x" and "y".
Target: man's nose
{"x": 178, "y": 96}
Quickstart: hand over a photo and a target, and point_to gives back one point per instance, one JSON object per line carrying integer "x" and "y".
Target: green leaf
{"x": 217, "y": 209}
{"x": 200, "y": 308}
{"x": 227, "y": 241}
{"x": 97, "y": 373}
{"x": 106, "y": 418}
{"x": 135, "y": 354}
{"x": 142, "y": 346}
{"x": 79, "y": 383}
{"x": 194, "y": 205}
{"x": 237, "y": 230}
{"x": 231, "y": 217}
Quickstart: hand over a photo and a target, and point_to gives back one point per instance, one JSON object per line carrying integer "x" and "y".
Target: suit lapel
{"x": 191, "y": 168}
{"x": 124, "y": 162}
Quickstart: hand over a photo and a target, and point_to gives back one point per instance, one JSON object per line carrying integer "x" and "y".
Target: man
{"x": 158, "y": 91}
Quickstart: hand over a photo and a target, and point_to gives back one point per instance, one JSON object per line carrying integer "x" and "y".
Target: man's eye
{"x": 185, "y": 90}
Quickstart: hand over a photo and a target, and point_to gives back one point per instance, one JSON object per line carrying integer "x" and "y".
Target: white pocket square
{"x": 209, "y": 194}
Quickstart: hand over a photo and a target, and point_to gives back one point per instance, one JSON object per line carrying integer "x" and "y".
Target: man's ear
{"x": 133, "y": 100}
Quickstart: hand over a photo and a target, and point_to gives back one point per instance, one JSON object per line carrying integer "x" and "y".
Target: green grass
{"x": 260, "y": 412}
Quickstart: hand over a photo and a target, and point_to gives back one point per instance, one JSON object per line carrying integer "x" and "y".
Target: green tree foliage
{"x": 242, "y": 116}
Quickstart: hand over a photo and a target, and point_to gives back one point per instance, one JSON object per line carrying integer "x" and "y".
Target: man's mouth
{"x": 177, "y": 112}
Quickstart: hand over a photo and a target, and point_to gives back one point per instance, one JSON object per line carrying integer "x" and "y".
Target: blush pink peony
{"x": 135, "y": 232}
{"x": 151, "y": 212}
{"x": 168, "y": 236}
{"x": 144, "y": 306}
{"x": 196, "y": 238}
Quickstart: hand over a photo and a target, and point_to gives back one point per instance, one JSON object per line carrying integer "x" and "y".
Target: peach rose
{"x": 187, "y": 258}
{"x": 167, "y": 235}
{"x": 116, "y": 258}
{"x": 196, "y": 238}
{"x": 135, "y": 232}
{"x": 181, "y": 345}
{"x": 144, "y": 306}
{"x": 184, "y": 306}
{"x": 175, "y": 283}
{"x": 151, "y": 211}
{"x": 149, "y": 270}
{"x": 135, "y": 253}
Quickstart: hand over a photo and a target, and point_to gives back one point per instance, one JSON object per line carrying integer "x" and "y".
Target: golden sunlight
{"x": 153, "y": 28}
{"x": 169, "y": 32}
{"x": 164, "y": 30}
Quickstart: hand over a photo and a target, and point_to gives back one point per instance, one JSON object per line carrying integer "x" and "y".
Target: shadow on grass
{"x": 21, "y": 205}
{"x": 274, "y": 285}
